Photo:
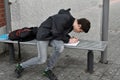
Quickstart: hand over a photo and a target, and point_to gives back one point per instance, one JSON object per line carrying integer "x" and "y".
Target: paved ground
{"x": 72, "y": 63}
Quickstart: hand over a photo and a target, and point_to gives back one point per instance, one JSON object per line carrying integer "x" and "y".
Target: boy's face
{"x": 77, "y": 28}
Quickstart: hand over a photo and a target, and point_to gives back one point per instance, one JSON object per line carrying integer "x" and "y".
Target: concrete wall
{"x": 33, "y": 12}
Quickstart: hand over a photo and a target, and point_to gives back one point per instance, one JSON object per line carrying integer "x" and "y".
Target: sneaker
{"x": 18, "y": 70}
{"x": 50, "y": 75}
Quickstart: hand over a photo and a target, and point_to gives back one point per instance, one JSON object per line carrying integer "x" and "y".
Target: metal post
{"x": 11, "y": 52}
{"x": 8, "y": 16}
{"x": 8, "y": 29}
{"x": 105, "y": 22}
{"x": 90, "y": 61}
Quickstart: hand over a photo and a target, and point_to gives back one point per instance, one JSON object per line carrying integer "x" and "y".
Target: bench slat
{"x": 83, "y": 44}
{"x": 32, "y": 42}
{"x": 91, "y": 45}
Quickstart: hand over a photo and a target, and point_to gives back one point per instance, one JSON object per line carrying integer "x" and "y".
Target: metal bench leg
{"x": 90, "y": 61}
{"x": 104, "y": 57}
{"x": 11, "y": 52}
{"x": 19, "y": 52}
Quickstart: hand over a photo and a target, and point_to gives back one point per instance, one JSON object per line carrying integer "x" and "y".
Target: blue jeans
{"x": 58, "y": 47}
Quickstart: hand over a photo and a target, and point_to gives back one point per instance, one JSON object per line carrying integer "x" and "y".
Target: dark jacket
{"x": 56, "y": 27}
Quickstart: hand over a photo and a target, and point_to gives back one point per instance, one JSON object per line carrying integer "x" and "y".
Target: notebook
{"x": 72, "y": 44}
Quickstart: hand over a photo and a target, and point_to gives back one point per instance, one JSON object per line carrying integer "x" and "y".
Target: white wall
{"x": 33, "y": 12}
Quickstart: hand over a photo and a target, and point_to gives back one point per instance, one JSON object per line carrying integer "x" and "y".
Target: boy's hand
{"x": 73, "y": 40}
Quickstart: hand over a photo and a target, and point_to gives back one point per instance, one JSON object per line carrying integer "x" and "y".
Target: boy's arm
{"x": 60, "y": 36}
{"x": 58, "y": 26}
{"x": 66, "y": 38}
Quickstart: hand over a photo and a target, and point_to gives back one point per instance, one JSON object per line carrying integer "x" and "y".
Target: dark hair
{"x": 85, "y": 24}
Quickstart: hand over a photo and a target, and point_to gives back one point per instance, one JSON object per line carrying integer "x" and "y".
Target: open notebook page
{"x": 71, "y": 44}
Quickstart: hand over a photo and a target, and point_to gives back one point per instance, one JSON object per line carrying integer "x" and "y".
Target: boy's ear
{"x": 80, "y": 25}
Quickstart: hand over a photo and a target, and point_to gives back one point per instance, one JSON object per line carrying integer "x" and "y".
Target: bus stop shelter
{"x": 104, "y": 29}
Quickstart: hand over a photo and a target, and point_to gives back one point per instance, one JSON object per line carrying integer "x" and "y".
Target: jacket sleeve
{"x": 66, "y": 38}
{"x": 58, "y": 30}
{"x": 59, "y": 36}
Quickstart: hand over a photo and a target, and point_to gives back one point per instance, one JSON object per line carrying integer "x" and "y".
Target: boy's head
{"x": 81, "y": 25}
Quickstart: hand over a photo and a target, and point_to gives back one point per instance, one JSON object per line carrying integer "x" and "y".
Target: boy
{"x": 54, "y": 31}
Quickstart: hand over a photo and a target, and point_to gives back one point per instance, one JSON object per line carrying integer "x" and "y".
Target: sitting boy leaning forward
{"x": 54, "y": 31}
